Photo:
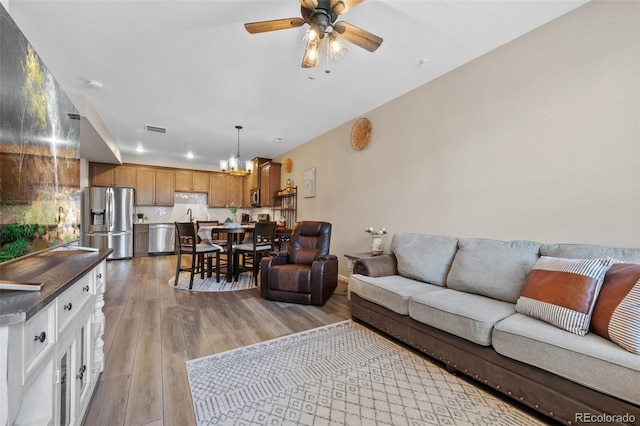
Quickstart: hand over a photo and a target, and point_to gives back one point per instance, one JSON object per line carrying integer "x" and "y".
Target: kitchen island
{"x": 51, "y": 347}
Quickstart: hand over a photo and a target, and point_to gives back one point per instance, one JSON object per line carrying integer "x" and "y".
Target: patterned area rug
{"x": 245, "y": 281}
{"x": 342, "y": 374}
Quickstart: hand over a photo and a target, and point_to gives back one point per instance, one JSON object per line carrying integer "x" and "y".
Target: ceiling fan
{"x": 322, "y": 18}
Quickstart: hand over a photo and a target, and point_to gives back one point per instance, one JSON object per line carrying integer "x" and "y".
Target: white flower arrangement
{"x": 374, "y": 233}
{"x": 233, "y": 207}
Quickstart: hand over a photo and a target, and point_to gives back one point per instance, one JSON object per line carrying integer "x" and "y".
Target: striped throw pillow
{"x": 563, "y": 292}
{"x": 616, "y": 315}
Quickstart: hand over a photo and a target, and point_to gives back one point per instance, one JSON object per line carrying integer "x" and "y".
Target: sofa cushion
{"x": 392, "y": 292}
{"x": 590, "y": 251}
{"x": 589, "y": 360}
{"x": 562, "y": 292}
{"x": 495, "y": 269}
{"x": 616, "y": 315}
{"x": 465, "y": 315}
{"x": 424, "y": 257}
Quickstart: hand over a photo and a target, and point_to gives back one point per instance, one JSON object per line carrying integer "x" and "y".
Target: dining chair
{"x": 225, "y": 255}
{"x": 187, "y": 242}
{"x": 247, "y": 255}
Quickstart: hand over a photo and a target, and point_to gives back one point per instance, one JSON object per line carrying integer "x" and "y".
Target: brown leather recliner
{"x": 306, "y": 273}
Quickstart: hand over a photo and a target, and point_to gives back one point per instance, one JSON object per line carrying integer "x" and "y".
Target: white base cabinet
{"x": 51, "y": 363}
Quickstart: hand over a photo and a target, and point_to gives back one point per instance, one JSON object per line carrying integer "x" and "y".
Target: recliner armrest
{"x": 377, "y": 266}
{"x": 327, "y": 257}
{"x": 274, "y": 258}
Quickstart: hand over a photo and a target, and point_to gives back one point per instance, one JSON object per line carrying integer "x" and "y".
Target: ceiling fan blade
{"x": 357, "y": 36}
{"x": 342, "y": 6}
{"x": 277, "y": 24}
{"x": 309, "y": 4}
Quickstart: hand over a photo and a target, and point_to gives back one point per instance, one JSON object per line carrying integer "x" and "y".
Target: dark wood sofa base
{"x": 560, "y": 399}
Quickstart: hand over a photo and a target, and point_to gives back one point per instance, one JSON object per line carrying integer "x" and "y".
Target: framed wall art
{"x": 310, "y": 183}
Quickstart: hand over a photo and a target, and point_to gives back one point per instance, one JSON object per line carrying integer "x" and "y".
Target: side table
{"x": 352, "y": 257}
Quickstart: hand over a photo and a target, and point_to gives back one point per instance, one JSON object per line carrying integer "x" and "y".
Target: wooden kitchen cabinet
{"x": 122, "y": 176}
{"x": 154, "y": 186}
{"x": 224, "y": 189}
{"x": 101, "y": 174}
{"x": 140, "y": 239}
{"x": 235, "y": 189}
{"x": 253, "y": 180}
{"x": 145, "y": 186}
{"x": 269, "y": 183}
{"x": 192, "y": 181}
{"x": 165, "y": 181}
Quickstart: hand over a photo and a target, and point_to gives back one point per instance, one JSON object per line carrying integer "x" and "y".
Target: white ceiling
{"x": 191, "y": 67}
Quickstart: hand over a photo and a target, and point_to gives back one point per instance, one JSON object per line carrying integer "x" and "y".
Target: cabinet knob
{"x": 99, "y": 276}
{"x": 68, "y": 306}
{"x": 85, "y": 288}
{"x": 42, "y": 337}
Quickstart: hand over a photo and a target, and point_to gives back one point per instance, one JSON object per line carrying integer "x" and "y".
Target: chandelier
{"x": 233, "y": 165}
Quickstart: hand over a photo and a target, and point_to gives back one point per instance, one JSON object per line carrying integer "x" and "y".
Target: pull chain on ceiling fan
{"x": 322, "y": 18}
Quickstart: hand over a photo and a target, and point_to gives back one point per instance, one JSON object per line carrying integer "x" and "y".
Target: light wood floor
{"x": 152, "y": 329}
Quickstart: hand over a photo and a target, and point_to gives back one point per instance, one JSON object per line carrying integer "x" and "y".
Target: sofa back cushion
{"x": 496, "y": 269}
{"x": 590, "y": 251}
{"x": 424, "y": 257}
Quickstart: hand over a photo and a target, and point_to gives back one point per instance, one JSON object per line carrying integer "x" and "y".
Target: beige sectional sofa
{"x": 464, "y": 302}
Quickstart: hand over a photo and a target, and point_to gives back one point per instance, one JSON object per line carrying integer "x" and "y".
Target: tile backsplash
{"x": 197, "y": 202}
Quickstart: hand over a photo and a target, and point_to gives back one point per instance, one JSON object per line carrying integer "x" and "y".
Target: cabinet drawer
{"x": 39, "y": 335}
{"x": 73, "y": 299}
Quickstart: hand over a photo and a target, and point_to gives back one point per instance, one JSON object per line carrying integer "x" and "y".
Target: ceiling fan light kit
{"x": 322, "y": 18}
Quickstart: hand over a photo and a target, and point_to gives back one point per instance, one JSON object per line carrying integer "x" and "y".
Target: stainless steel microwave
{"x": 255, "y": 197}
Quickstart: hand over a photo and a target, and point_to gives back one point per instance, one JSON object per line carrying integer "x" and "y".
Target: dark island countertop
{"x": 57, "y": 269}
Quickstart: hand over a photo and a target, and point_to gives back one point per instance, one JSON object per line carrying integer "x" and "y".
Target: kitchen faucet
{"x": 190, "y": 213}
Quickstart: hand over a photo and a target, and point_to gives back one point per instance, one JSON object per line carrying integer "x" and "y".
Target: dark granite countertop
{"x": 57, "y": 269}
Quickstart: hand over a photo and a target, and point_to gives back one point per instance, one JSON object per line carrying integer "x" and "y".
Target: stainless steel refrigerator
{"x": 107, "y": 220}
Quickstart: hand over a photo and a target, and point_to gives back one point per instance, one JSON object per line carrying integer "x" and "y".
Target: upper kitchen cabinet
{"x": 154, "y": 186}
{"x": 269, "y": 183}
{"x": 192, "y": 181}
{"x": 253, "y": 180}
{"x": 123, "y": 175}
{"x": 224, "y": 189}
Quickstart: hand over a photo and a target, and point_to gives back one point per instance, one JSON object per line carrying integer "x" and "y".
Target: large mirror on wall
{"x": 39, "y": 151}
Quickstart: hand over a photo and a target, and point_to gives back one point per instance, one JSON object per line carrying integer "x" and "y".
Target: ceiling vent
{"x": 73, "y": 116}
{"x": 157, "y": 129}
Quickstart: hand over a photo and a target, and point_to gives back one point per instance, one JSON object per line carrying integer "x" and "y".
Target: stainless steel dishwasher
{"x": 161, "y": 238}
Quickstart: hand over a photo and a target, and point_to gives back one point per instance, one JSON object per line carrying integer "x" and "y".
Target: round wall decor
{"x": 360, "y": 134}
{"x": 288, "y": 165}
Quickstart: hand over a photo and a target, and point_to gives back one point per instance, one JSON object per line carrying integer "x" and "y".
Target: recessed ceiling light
{"x": 190, "y": 155}
{"x": 139, "y": 148}
{"x": 423, "y": 61}
{"x": 95, "y": 84}
{"x": 279, "y": 139}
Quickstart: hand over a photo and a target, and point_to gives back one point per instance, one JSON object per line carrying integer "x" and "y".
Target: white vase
{"x": 376, "y": 245}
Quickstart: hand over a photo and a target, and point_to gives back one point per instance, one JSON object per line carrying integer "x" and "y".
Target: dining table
{"x": 206, "y": 233}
